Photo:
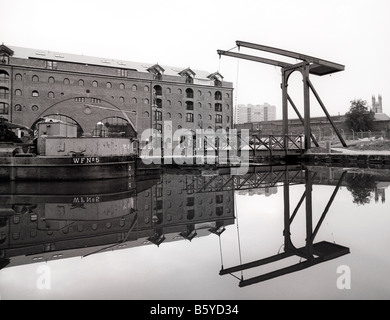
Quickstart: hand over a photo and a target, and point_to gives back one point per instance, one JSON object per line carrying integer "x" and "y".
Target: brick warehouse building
{"x": 123, "y": 95}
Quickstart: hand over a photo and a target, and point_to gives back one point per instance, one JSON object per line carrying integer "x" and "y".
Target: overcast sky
{"x": 185, "y": 33}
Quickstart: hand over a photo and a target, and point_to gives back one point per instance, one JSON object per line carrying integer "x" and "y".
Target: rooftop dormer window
{"x": 217, "y": 78}
{"x": 5, "y": 53}
{"x": 157, "y": 71}
{"x": 188, "y": 74}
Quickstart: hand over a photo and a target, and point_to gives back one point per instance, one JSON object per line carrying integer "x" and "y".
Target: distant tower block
{"x": 377, "y": 106}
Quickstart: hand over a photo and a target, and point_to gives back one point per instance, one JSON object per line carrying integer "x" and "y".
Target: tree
{"x": 359, "y": 118}
{"x": 362, "y": 187}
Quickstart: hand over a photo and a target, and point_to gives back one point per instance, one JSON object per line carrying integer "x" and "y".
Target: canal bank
{"x": 349, "y": 158}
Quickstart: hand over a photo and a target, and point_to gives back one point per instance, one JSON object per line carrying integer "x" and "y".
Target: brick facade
{"x": 37, "y": 84}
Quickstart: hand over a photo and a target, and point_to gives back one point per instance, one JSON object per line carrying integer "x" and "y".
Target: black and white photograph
{"x": 194, "y": 155}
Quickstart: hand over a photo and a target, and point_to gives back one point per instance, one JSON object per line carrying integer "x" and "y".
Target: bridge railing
{"x": 272, "y": 143}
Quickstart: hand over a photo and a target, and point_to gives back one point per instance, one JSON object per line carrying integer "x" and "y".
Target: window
{"x": 35, "y": 93}
{"x": 4, "y": 108}
{"x": 122, "y": 73}
{"x": 51, "y": 65}
{"x": 210, "y": 117}
{"x": 190, "y": 202}
{"x": 51, "y": 80}
{"x": 189, "y": 117}
{"x": 18, "y": 108}
{"x": 4, "y": 58}
{"x": 169, "y": 116}
{"x": 51, "y": 95}
{"x": 122, "y": 86}
{"x": 219, "y": 199}
{"x": 18, "y": 92}
{"x": 134, "y": 88}
{"x": 159, "y": 103}
{"x": 146, "y": 114}
{"x": 180, "y": 115}
{"x": 218, "y": 107}
{"x": 157, "y": 90}
{"x": 199, "y": 116}
{"x": 134, "y": 100}
{"x": 81, "y": 82}
{"x": 189, "y": 105}
{"x": 18, "y": 77}
{"x": 108, "y": 85}
{"x": 94, "y": 100}
{"x": 66, "y": 81}
{"x": 189, "y": 79}
{"x": 146, "y": 89}
{"x": 79, "y": 99}
{"x": 190, "y": 93}
{"x": 218, "y": 118}
{"x": 190, "y": 214}
{"x": 199, "y": 105}
{"x": 169, "y": 103}
{"x": 122, "y": 99}
{"x": 218, "y": 95}
{"x": 35, "y": 108}
{"x": 95, "y": 84}
{"x": 146, "y": 101}
{"x": 168, "y": 90}
{"x": 158, "y": 116}
{"x": 4, "y": 77}
{"x": 35, "y": 79}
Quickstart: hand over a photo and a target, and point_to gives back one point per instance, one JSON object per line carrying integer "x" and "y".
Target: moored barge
{"x": 59, "y": 155}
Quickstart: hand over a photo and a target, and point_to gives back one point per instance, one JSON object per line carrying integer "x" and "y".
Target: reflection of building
{"x": 38, "y": 227}
{"x": 174, "y": 203}
{"x": 87, "y": 90}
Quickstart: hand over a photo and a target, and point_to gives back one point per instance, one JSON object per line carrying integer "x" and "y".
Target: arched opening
{"x": 157, "y": 90}
{"x": 118, "y": 127}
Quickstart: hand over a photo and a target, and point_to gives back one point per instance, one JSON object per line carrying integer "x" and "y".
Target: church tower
{"x": 377, "y": 106}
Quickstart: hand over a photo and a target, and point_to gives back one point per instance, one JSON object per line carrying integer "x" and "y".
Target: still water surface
{"x": 275, "y": 233}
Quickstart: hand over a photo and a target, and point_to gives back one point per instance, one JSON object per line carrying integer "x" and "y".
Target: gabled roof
{"x": 215, "y": 75}
{"x": 5, "y": 49}
{"x": 381, "y": 117}
{"x": 156, "y": 68}
{"x": 187, "y": 72}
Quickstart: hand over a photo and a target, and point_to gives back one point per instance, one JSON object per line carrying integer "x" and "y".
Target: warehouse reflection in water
{"x": 43, "y": 222}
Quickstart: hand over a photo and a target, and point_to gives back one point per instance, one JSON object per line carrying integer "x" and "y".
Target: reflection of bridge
{"x": 256, "y": 177}
{"x": 312, "y": 253}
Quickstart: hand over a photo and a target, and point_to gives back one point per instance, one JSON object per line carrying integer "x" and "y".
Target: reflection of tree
{"x": 362, "y": 187}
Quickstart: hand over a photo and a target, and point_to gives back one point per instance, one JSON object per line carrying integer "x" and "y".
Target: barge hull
{"x": 66, "y": 168}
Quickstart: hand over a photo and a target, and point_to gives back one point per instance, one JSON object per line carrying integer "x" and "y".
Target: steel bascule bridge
{"x": 307, "y": 66}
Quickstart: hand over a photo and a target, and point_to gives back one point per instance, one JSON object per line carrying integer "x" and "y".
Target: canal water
{"x": 283, "y": 232}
